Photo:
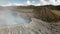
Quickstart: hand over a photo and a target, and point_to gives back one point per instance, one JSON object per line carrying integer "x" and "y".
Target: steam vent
{"x": 30, "y": 19}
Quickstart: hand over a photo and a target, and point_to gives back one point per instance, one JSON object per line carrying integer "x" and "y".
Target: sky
{"x": 17, "y": 1}
{"x": 29, "y": 2}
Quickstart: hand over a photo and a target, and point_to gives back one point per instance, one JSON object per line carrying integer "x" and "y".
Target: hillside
{"x": 29, "y": 20}
{"x": 47, "y": 13}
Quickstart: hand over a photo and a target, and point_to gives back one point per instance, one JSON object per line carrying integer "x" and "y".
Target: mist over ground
{"x": 29, "y": 20}
{"x": 10, "y": 17}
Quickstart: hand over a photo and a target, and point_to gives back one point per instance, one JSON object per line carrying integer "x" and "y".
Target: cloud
{"x": 50, "y": 2}
{"x": 16, "y": 4}
{"x": 56, "y": 3}
{"x": 28, "y": 2}
{"x": 12, "y": 4}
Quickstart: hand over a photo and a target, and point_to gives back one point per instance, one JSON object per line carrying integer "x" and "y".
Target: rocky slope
{"x": 34, "y": 26}
{"x": 45, "y": 13}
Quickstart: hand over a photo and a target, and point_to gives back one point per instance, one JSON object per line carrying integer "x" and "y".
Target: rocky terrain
{"x": 27, "y": 20}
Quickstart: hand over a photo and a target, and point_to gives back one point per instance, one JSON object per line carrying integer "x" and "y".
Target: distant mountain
{"x": 48, "y": 6}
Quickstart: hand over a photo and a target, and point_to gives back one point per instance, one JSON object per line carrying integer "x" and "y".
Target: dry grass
{"x": 24, "y": 10}
{"x": 56, "y": 12}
